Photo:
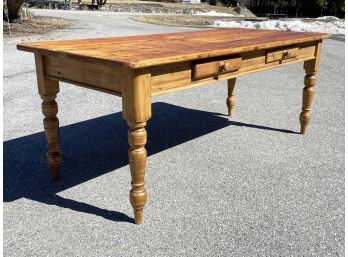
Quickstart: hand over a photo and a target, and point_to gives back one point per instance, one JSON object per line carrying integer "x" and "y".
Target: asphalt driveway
{"x": 249, "y": 186}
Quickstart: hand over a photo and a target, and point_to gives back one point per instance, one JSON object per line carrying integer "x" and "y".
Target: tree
{"x": 335, "y": 7}
{"x": 14, "y": 7}
{"x": 293, "y": 8}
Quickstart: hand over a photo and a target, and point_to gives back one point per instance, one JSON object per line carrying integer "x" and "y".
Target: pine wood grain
{"x": 102, "y": 77}
{"x": 151, "y": 50}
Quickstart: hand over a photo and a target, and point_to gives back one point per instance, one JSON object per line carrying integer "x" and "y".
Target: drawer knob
{"x": 222, "y": 66}
{"x": 286, "y": 54}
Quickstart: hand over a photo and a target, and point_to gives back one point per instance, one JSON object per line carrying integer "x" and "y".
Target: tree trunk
{"x": 14, "y": 6}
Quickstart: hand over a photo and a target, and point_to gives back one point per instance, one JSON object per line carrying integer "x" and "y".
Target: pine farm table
{"x": 137, "y": 68}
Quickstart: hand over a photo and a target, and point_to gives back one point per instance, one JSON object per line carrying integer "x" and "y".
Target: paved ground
{"x": 247, "y": 187}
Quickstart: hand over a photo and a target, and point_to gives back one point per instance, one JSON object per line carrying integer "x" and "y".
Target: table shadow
{"x": 95, "y": 147}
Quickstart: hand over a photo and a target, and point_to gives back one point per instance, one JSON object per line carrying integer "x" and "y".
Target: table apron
{"x": 172, "y": 77}
{"x": 178, "y": 76}
{"x": 99, "y": 77}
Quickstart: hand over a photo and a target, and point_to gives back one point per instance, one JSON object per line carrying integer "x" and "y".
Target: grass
{"x": 184, "y": 20}
{"x": 198, "y": 7}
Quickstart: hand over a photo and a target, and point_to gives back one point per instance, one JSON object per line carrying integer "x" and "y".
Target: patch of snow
{"x": 213, "y": 13}
{"x": 329, "y": 18}
{"x": 326, "y": 24}
{"x": 192, "y": 1}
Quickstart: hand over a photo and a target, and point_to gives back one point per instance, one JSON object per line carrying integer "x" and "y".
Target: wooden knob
{"x": 226, "y": 66}
{"x": 286, "y": 53}
{"x": 222, "y": 66}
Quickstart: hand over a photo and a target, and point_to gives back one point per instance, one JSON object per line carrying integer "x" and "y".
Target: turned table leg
{"x": 136, "y": 104}
{"x": 51, "y": 125}
{"x": 137, "y": 161}
{"x": 307, "y": 99}
{"x": 230, "y": 101}
{"x": 48, "y": 90}
{"x": 311, "y": 68}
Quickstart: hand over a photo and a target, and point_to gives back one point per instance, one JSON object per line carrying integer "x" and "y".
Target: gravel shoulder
{"x": 249, "y": 186}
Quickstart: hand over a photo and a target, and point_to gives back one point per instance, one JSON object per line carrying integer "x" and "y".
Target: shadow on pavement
{"x": 95, "y": 147}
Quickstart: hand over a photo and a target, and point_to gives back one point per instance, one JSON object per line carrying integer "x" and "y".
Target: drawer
{"x": 216, "y": 67}
{"x": 171, "y": 77}
{"x": 281, "y": 54}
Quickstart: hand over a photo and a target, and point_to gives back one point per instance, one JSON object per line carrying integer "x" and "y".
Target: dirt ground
{"x": 33, "y": 25}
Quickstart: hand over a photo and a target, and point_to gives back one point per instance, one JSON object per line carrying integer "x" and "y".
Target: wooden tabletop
{"x": 150, "y": 50}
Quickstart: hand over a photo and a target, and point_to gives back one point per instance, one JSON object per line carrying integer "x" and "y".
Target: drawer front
{"x": 172, "y": 77}
{"x": 215, "y": 68}
{"x": 281, "y": 54}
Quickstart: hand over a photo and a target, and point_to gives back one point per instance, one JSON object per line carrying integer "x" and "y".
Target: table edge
{"x": 173, "y": 59}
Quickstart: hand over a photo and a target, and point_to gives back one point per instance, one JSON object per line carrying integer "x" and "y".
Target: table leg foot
{"x": 138, "y": 216}
{"x": 137, "y": 138}
{"x": 230, "y": 101}
{"x": 51, "y": 125}
{"x": 307, "y": 99}
{"x": 55, "y": 173}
